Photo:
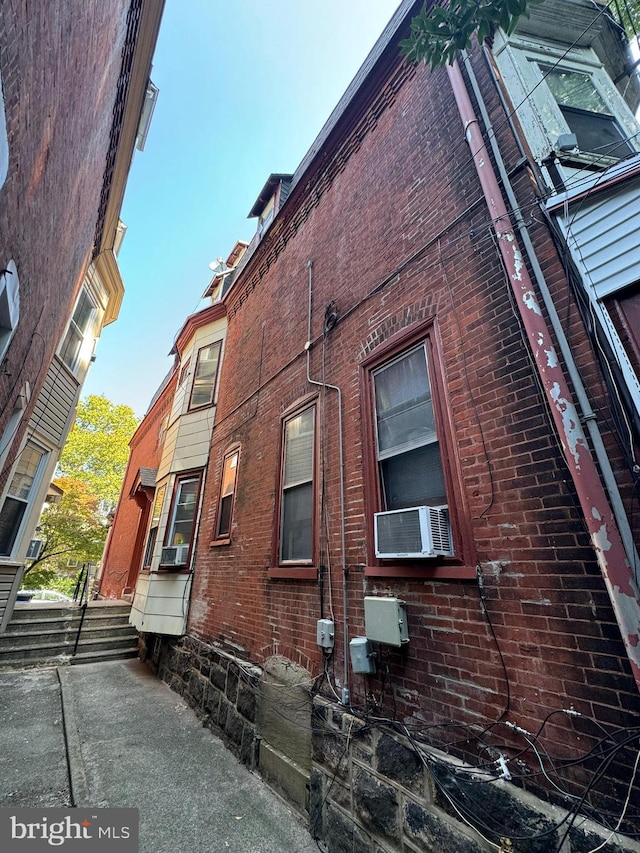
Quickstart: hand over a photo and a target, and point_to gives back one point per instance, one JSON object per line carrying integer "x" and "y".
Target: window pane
{"x": 229, "y": 475}
{"x": 414, "y": 478}
{"x": 224, "y": 522}
{"x": 226, "y": 495}
{"x": 409, "y": 456}
{"x": 573, "y": 89}
{"x": 597, "y": 134}
{"x": 404, "y": 409}
{"x": 151, "y": 544}
{"x": 71, "y": 346}
{"x": 184, "y": 512}
{"x": 10, "y": 519}
{"x": 83, "y": 314}
{"x": 586, "y": 112}
{"x": 298, "y": 458}
{"x": 25, "y": 472}
{"x": 205, "y": 376}
{"x": 297, "y": 525}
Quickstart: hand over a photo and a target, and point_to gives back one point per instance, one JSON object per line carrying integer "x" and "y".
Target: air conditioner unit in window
{"x": 418, "y": 531}
{"x": 174, "y": 555}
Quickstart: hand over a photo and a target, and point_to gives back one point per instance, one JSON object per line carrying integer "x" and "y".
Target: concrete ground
{"x": 113, "y": 735}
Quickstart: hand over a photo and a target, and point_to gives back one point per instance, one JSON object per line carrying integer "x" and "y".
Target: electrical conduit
{"x": 603, "y": 530}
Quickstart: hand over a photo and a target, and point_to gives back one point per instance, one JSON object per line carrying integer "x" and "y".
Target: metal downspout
{"x": 603, "y": 530}
{"x": 346, "y": 699}
{"x": 589, "y": 417}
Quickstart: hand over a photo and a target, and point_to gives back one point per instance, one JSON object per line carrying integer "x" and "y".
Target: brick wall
{"x": 393, "y": 219}
{"x": 60, "y": 64}
{"x": 145, "y": 452}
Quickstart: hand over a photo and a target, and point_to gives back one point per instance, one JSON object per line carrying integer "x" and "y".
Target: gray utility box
{"x": 385, "y": 620}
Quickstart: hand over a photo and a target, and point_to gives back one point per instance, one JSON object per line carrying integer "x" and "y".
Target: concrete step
{"x": 41, "y": 635}
{"x": 35, "y": 612}
{"x": 63, "y": 623}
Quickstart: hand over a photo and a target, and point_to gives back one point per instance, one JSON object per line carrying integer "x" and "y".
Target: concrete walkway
{"x": 111, "y": 734}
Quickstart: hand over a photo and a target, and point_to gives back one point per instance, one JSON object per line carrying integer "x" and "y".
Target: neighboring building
{"x": 409, "y": 554}
{"x": 65, "y": 153}
{"x": 124, "y": 547}
{"x": 153, "y": 540}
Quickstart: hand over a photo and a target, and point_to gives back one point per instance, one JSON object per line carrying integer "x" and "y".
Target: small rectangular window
{"x": 227, "y": 492}
{"x": 205, "y": 374}
{"x": 297, "y": 489}
{"x": 153, "y": 531}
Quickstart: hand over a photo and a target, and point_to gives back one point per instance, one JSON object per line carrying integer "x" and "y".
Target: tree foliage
{"x": 72, "y": 528}
{"x": 97, "y": 449}
{"x": 438, "y": 33}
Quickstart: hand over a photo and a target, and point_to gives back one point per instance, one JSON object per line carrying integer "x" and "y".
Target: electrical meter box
{"x": 385, "y": 620}
{"x": 325, "y": 633}
{"x": 362, "y": 660}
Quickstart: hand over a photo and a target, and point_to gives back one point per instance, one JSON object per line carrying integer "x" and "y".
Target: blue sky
{"x": 245, "y": 87}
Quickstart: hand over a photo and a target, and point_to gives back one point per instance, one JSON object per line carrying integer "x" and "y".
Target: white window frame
{"x": 519, "y": 61}
{"x": 87, "y": 336}
{"x": 181, "y": 481}
{"x": 9, "y": 306}
{"x": 33, "y": 492}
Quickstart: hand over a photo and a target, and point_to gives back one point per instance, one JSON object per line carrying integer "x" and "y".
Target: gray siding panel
{"x": 55, "y": 403}
{"x": 604, "y": 237}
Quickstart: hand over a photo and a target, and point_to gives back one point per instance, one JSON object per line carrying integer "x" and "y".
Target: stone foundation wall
{"x": 366, "y": 787}
{"x": 374, "y": 791}
{"x": 262, "y": 713}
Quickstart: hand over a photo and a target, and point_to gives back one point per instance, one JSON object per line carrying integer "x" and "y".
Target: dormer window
{"x": 264, "y": 220}
{"x": 273, "y": 195}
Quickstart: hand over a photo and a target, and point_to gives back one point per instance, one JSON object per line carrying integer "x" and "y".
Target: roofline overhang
{"x": 196, "y": 321}
{"x": 148, "y": 29}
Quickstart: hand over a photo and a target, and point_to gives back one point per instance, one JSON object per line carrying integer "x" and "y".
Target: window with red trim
{"x": 227, "y": 494}
{"x": 410, "y": 463}
{"x": 297, "y": 488}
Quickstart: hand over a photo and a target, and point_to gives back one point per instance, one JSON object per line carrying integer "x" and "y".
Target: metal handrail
{"x": 80, "y": 595}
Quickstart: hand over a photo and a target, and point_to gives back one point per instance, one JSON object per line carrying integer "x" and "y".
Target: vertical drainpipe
{"x": 604, "y": 533}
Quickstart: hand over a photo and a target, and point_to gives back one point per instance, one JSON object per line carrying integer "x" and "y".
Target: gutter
{"x": 603, "y": 530}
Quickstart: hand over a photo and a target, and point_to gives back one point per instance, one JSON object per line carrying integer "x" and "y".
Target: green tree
{"x": 439, "y": 32}
{"x": 71, "y": 528}
{"x": 97, "y": 449}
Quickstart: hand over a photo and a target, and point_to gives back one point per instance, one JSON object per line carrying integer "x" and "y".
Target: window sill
{"x": 428, "y": 571}
{"x": 215, "y": 543}
{"x": 170, "y": 570}
{"x": 306, "y": 573}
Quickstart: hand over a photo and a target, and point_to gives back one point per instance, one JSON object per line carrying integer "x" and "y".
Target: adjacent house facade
{"x": 413, "y": 574}
{"x": 63, "y": 171}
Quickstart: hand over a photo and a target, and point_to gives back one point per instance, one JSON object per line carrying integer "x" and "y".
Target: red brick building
{"x": 123, "y": 551}
{"x": 398, "y": 387}
{"x": 73, "y": 81}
